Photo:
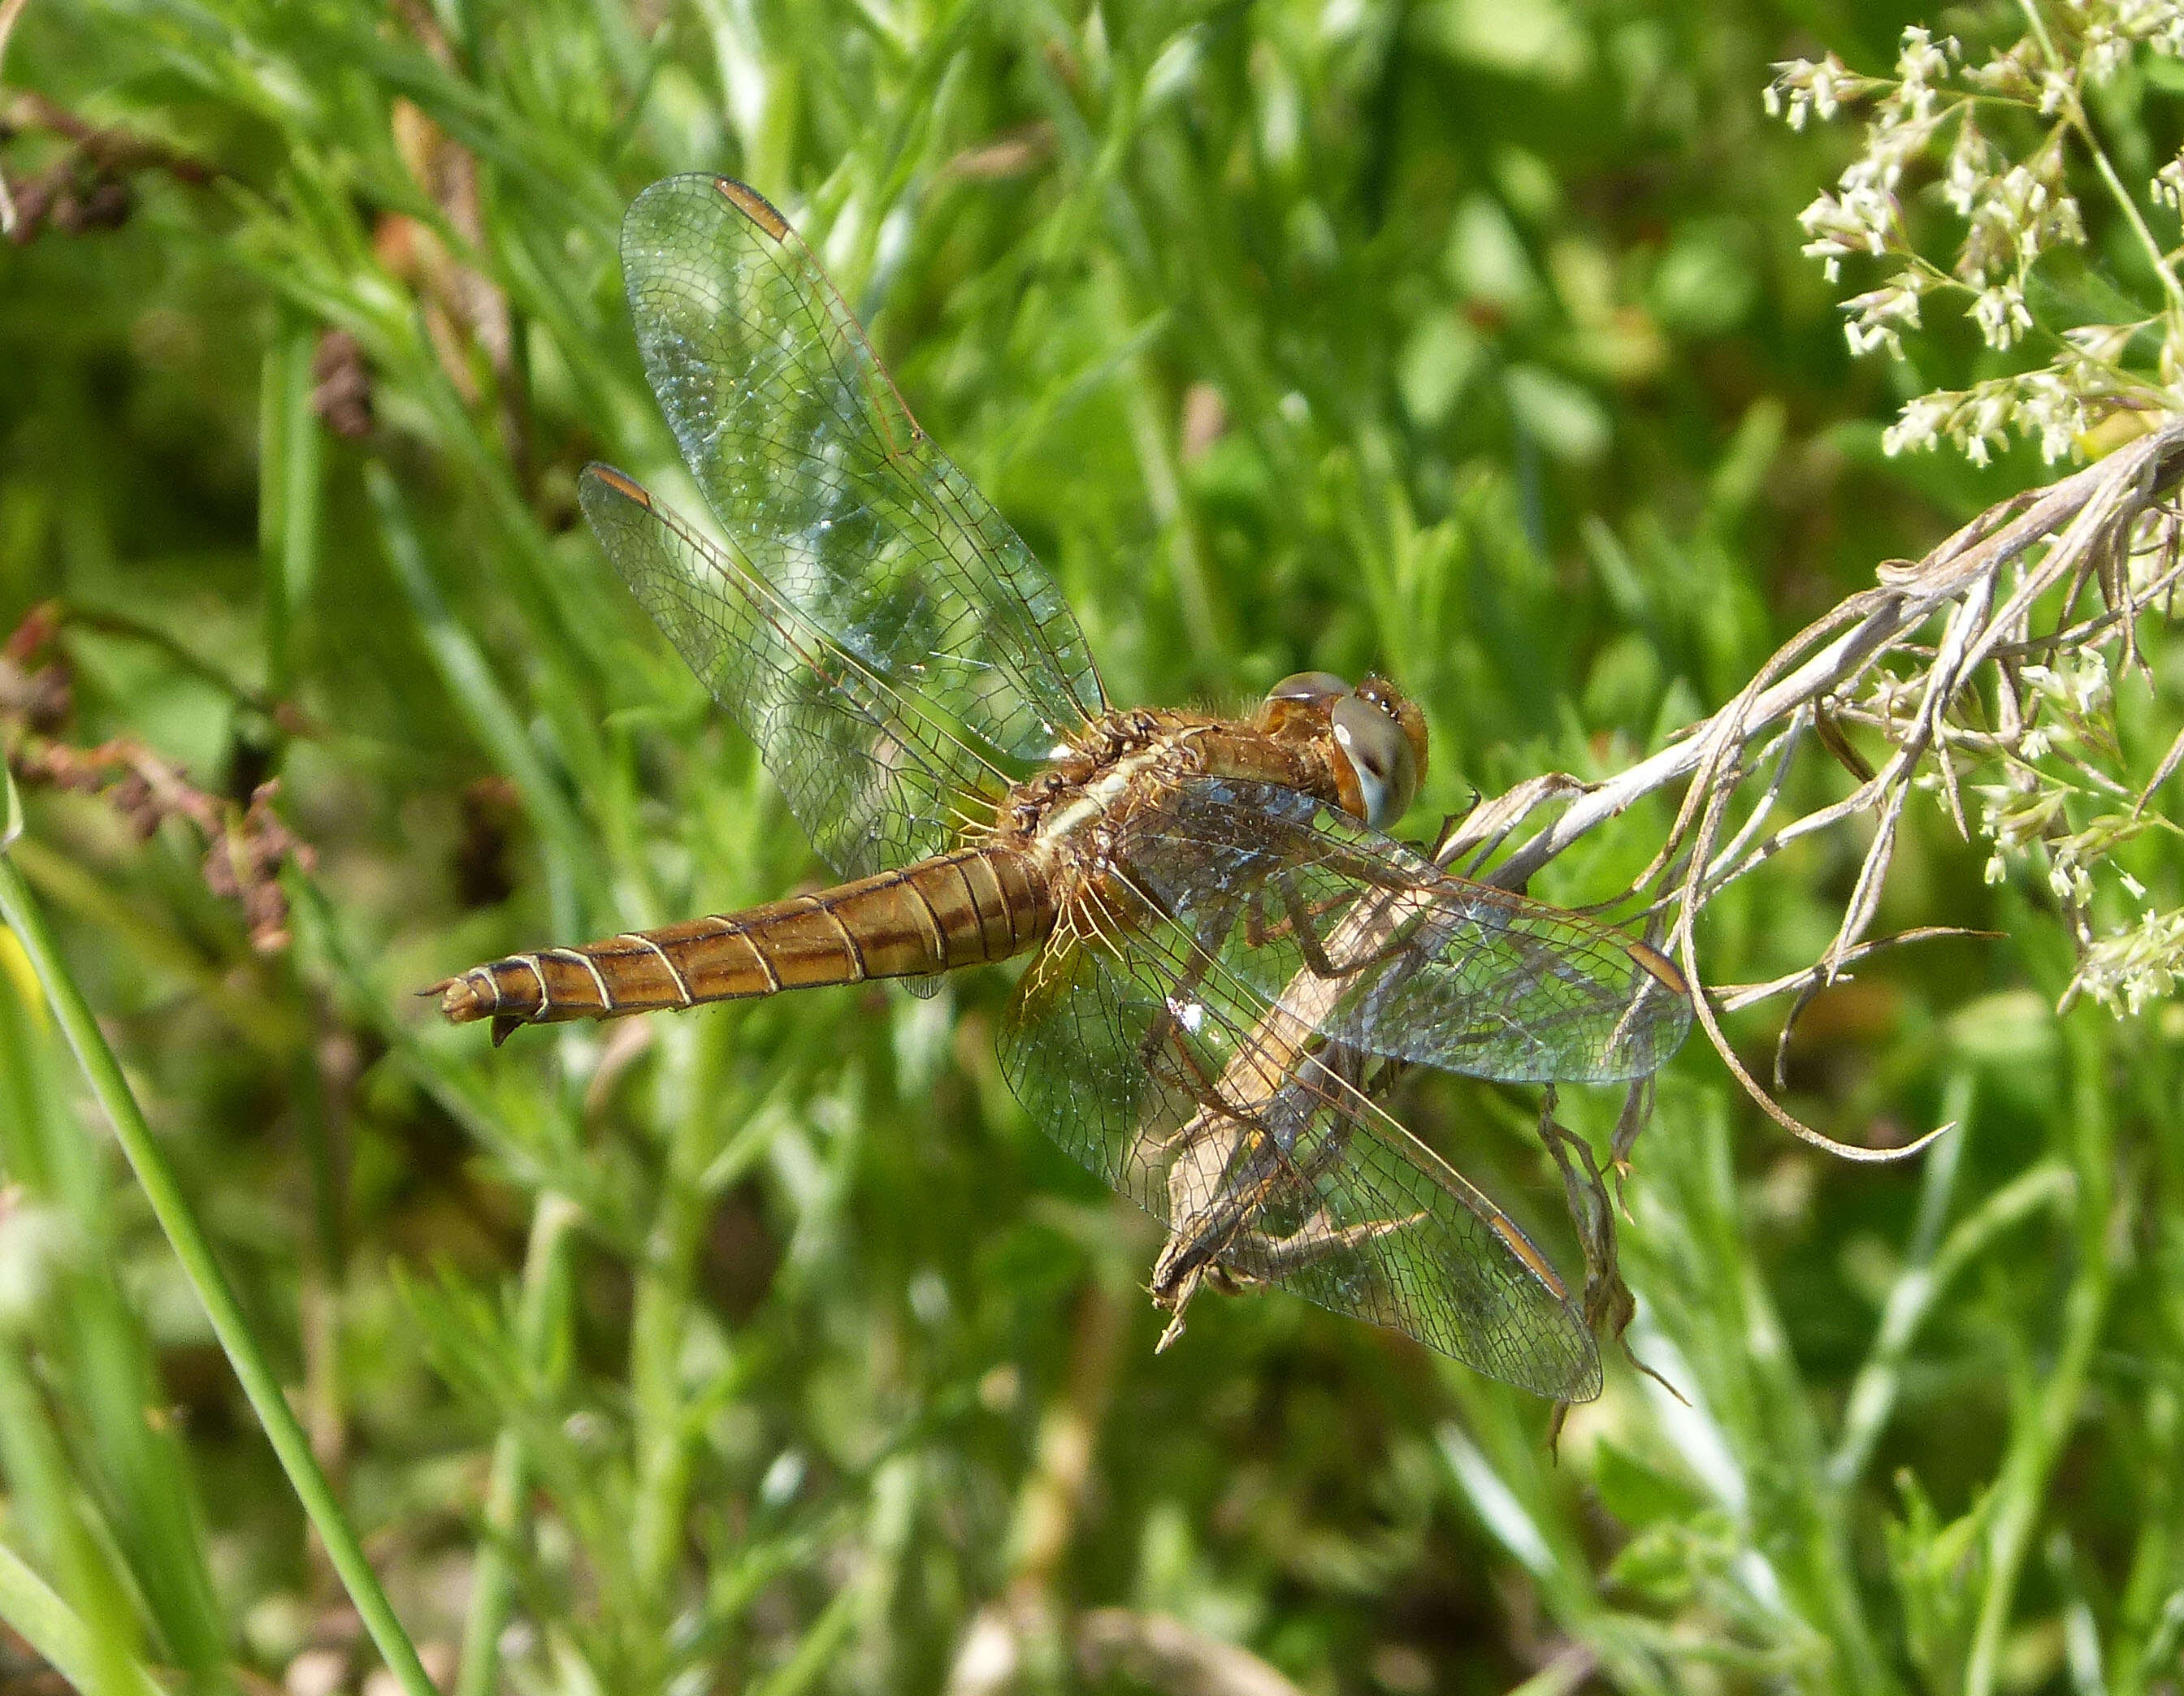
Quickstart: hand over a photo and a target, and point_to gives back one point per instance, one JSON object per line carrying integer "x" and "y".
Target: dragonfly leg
{"x": 1203, "y": 1209}
{"x": 1273, "y": 1258}
{"x": 1221, "y": 1130}
{"x": 1161, "y": 1029}
{"x": 1259, "y": 929}
{"x": 1165, "y": 1050}
{"x": 1170, "y": 1061}
{"x": 1270, "y": 1256}
{"x": 1301, "y": 914}
{"x": 1298, "y": 924}
{"x": 1173, "y": 1304}
{"x": 1227, "y": 1164}
{"x": 1316, "y": 1240}
{"x": 1231, "y": 1169}
{"x": 1207, "y": 1204}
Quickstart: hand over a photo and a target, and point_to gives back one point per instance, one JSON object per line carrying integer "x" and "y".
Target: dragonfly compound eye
{"x": 1317, "y": 688}
{"x": 1381, "y": 756}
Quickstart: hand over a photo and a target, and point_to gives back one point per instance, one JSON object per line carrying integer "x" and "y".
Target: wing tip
{"x": 1661, "y": 967}
{"x": 753, "y": 206}
{"x": 627, "y": 486}
{"x": 1585, "y": 1387}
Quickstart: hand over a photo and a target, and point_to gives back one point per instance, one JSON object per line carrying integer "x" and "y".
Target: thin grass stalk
{"x": 321, "y": 1270}
{"x": 102, "y": 1072}
{"x": 289, "y": 453}
{"x": 819, "y": 1648}
{"x": 98, "y": 1358}
{"x": 543, "y": 1306}
{"x": 1540, "y": 1542}
{"x": 2036, "y": 1442}
{"x": 470, "y": 680}
{"x": 1769, "y": 1417}
{"x": 665, "y": 1285}
{"x": 1915, "y": 1295}
{"x": 43, "y": 1495}
{"x": 2150, "y": 1603}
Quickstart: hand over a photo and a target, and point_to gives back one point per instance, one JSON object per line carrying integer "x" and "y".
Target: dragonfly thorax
{"x": 1097, "y": 774}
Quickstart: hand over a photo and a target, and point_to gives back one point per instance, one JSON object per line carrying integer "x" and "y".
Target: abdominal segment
{"x": 955, "y": 909}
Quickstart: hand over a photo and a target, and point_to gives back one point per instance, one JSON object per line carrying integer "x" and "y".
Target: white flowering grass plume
{"x": 1971, "y": 177}
{"x": 1979, "y": 172}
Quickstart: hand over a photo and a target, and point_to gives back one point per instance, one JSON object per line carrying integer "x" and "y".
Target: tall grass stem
{"x": 102, "y": 1072}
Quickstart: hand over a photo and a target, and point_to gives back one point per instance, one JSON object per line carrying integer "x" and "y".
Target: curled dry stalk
{"x": 1985, "y": 657}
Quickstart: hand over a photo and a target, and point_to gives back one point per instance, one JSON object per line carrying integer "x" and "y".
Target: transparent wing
{"x": 1189, "y": 1092}
{"x": 875, "y": 783}
{"x": 1374, "y": 947}
{"x": 1199, "y": 1039}
{"x": 830, "y": 494}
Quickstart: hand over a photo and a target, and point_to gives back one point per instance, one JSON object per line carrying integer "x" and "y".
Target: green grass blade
{"x": 102, "y": 1072}
{"x": 33, "y": 1609}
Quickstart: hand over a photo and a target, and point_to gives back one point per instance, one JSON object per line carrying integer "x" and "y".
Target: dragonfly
{"x": 1228, "y": 952}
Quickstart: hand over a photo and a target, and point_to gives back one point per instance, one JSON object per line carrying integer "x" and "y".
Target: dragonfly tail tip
{"x": 461, "y": 999}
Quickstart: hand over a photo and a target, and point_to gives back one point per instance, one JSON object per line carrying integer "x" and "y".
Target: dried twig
{"x": 1935, "y": 696}
{"x": 1943, "y": 663}
{"x": 1918, "y": 659}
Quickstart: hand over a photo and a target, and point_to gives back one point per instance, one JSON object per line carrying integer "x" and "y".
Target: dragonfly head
{"x": 1378, "y": 736}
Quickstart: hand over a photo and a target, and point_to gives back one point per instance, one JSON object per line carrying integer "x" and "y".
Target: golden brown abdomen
{"x": 954, "y": 909}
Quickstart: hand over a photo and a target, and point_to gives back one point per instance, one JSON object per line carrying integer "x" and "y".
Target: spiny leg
{"x": 1232, "y": 1250}
{"x": 1301, "y": 913}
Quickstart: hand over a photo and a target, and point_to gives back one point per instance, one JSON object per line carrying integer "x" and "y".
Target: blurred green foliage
{"x": 771, "y": 1347}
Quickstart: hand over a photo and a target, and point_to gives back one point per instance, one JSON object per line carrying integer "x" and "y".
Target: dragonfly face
{"x": 1223, "y": 944}
{"x": 1378, "y": 737}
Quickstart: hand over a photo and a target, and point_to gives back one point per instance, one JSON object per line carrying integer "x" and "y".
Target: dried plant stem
{"x": 1983, "y": 584}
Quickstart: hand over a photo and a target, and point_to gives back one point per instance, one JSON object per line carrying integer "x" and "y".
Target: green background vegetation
{"x": 771, "y": 1347}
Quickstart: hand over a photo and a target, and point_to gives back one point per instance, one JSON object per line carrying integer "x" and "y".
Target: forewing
{"x": 826, "y": 488}
{"x": 1187, "y": 1090}
{"x": 874, "y": 783}
{"x": 1378, "y": 948}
